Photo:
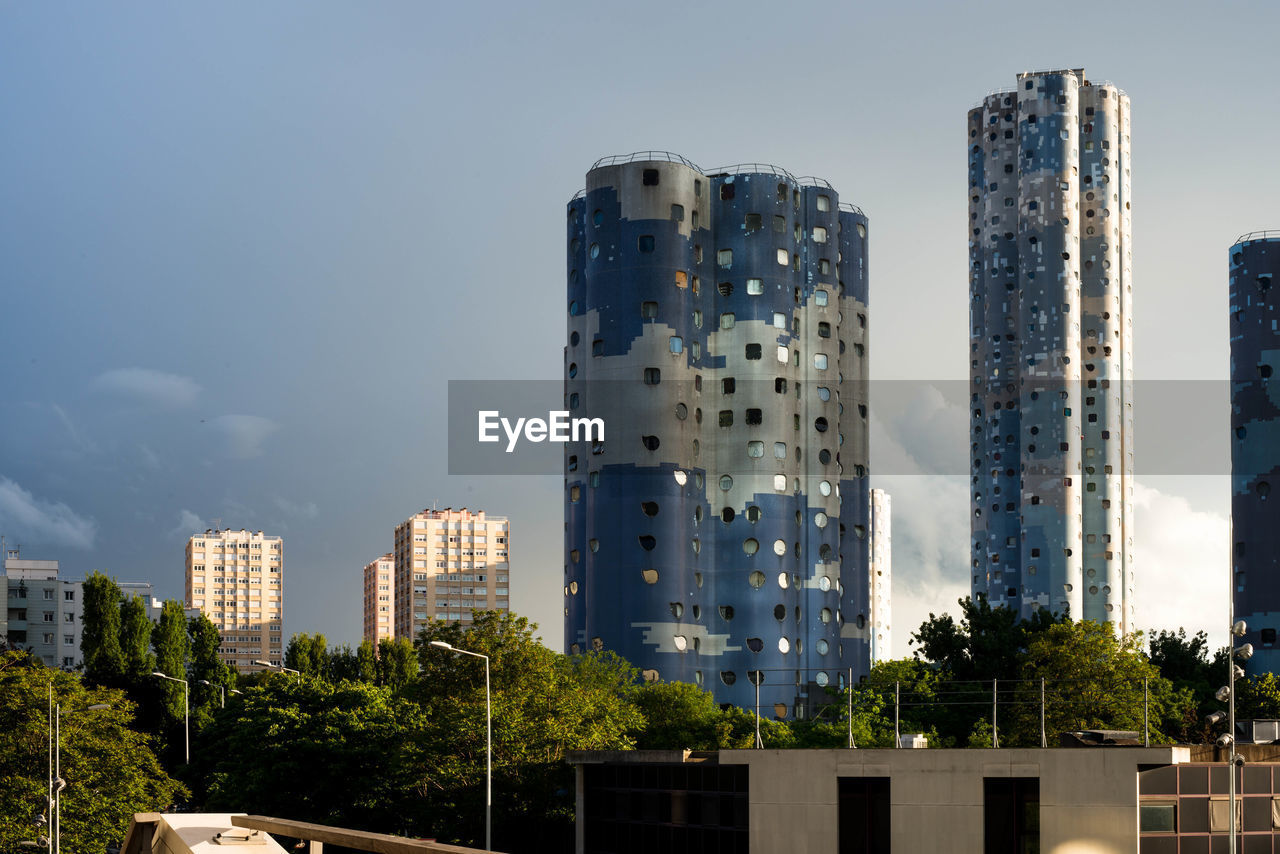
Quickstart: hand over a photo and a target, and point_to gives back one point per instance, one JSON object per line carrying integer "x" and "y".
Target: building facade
{"x": 717, "y": 324}
{"x": 43, "y": 612}
{"x": 449, "y": 563}
{"x": 1255, "y": 442}
{"x": 881, "y": 576}
{"x": 1051, "y": 348}
{"x": 379, "y": 598}
{"x": 236, "y": 578}
{"x": 1100, "y": 800}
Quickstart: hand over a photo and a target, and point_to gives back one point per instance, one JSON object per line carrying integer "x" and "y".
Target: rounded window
{"x": 726, "y": 482}
{"x": 597, "y": 218}
{"x": 574, "y": 338}
{"x": 649, "y": 508}
{"x": 648, "y": 542}
{"x": 726, "y": 515}
{"x": 595, "y": 250}
{"x": 784, "y": 580}
{"x": 779, "y": 612}
{"x": 821, "y": 678}
{"x": 784, "y": 646}
{"x": 750, "y": 545}
{"x": 824, "y": 583}
{"x": 822, "y": 646}
{"x": 779, "y": 548}
{"x": 681, "y": 642}
{"x": 756, "y": 579}
{"x": 650, "y": 576}
{"x": 824, "y": 487}
{"x": 755, "y": 644}
{"x": 728, "y": 677}
{"x": 820, "y": 424}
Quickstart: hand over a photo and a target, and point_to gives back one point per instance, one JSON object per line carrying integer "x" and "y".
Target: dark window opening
{"x": 650, "y": 178}
{"x": 863, "y": 815}
{"x": 755, "y": 417}
{"x": 1011, "y": 815}
{"x": 645, "y": 243}
{"x": 726, "y": 191}
{"x": 753, "y": 352}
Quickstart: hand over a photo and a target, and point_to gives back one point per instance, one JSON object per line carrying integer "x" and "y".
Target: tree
{"x": 100, "y": 633}
{"x": 544, "y": 705}
{"x": 397, "y": 663}
{"x": 346, "y": 754}
{"x": 308, "y": 654}
{"x": 987, "y": 644}
{"x": 110, "y": 770}
{"x": 206, "y": 666}
{"x": 135, "y": 639}
{"x": 677, "y": 715}
{"x": 367, "y": 661}
{"x": 172, "y": 648}
{"x": 1093, "y": 680}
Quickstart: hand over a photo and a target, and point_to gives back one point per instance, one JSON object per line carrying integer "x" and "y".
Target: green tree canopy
{"x": 109, "y": 768}
{"x": 100, "y": 633}
{"x": 172, "y": 648}
{"x": 135, "y": 639}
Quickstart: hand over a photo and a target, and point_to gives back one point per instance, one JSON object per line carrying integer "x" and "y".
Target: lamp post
{"x": 1227, "y": 694}
{"x": 186, "y": 712}
{"x": 222, "y": 699}
{"x": 488, "y": 750}
{"x": 270, "y": 666}
{"x": 56, "y": 783}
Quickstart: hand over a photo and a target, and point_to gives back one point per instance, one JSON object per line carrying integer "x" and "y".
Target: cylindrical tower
{"x": 1255, "y": 442}
{"x": 712, "y": 329}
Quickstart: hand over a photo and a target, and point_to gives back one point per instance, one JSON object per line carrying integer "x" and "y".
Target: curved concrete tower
{"x": 1255, "y": 443}
{"x": 717, "y": 324}
{"x": 1050, "y": 348}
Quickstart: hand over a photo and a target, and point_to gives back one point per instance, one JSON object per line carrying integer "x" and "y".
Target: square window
{"x": 755, "y": 287}
{"x": 727, "y": 385}
{"x": 824, "y": 329}
{"x": 820, "y": 297}
{"x": 782, "y": 354}
{"x": 780, "y": 385}
{"x": 677, "y": 213}
{"x": 645, "y": 243}
{"x": 753, "y": 222}
{"x": 779, "y": 224}
{"x": 726, "y": 191}
{"x": 779, "y": 320}
{"x": 824, "y": 203}
{"x": 650, "y": 178}
{"x": 753, "y": 352}
{"x": 597, "y": 347}
{"x": 724, "y": 257}
{"x": 677, "y": 345}
{"x": 784, "y": 257}
{"x": 726, "y": 320}
{"x": 820, "y": 361}
{"x": 648, "y": 310}
{"x": 755, "y": 417}
{"x": 726, "y": 417}
{"x": 819, "y": 234}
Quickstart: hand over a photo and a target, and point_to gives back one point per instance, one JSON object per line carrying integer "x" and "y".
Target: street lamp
{"x": 270, "y": 666}
{"x": 56, "y": 783}
{"x": 1227, "y": 694}
{"x": 222, "y": 703}
{"x": 488, "y": 749}
{"x": 186, "y": 712}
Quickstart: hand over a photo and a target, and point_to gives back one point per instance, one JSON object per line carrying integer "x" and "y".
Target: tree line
{"x": 392, "y": 738}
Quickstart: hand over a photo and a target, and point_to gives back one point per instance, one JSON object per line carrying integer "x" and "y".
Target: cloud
{"x": 50, "y": 523}
{"x": 1181, "y": 565}
{"x": 302, "y": 511}
{"x": 145, "y": 385}
{"x": 243, "y": 435}
{"x": 188, "y": 524}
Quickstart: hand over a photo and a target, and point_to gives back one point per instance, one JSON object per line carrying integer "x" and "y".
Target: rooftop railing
{"x": 1266, "y": 234}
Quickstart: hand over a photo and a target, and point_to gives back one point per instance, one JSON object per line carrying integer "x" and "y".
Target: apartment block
{"x": 379, "y": 598}
{"x": 236, "y": 578}
{"x": 449, "y": 563}
{"x": 42, "y": 611}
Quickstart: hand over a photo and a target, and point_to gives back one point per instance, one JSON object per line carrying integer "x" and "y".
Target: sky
{"x": 245, "y": 246}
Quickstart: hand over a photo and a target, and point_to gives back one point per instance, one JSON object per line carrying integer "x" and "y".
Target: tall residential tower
{"x": 717, "y": 324}
{"x": 1051, "y": 348}
{"x": 1255, "y": 442}
{"x": 237, "y": 579}
{"x": 449, "y": 563}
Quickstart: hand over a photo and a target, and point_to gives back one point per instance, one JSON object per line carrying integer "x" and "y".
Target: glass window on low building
{"x": 1010, "y": 814}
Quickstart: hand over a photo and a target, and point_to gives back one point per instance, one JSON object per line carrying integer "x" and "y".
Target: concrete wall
{"x": 1088, "y": 797}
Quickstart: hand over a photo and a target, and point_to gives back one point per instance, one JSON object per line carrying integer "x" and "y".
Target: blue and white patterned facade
{"x": 717, "y": 322}
{"x": 1051, "y": 345}
{"x": 1255, "y": 443}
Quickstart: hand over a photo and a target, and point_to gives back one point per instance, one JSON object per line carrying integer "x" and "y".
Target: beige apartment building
{"x": 237, "y": 579}
{"x": 449, "y": 563}
{"x": 379, "y": 598}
